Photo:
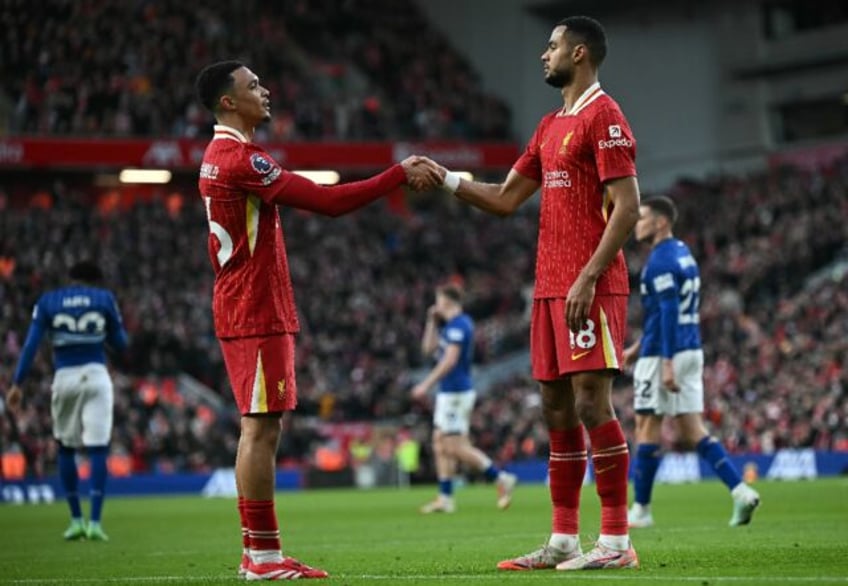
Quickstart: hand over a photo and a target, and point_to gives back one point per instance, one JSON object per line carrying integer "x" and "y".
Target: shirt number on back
{"x": 224, "y": 239}
{"x": 690, "y": 294}
{"x": 90, "y": 322}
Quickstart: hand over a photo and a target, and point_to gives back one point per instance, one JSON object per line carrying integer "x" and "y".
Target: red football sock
{"x": 245, "y": 534}
{"x": 611, "y": 460}
{"x": 567, "y": 468}
{"x": 262, "y": 525}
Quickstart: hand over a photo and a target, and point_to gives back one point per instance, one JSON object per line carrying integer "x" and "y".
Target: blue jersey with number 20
{"x": 79, "y": 320}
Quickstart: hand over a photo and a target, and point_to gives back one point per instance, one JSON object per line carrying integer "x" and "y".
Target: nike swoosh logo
{"x": 579, "y": 355}
{"x": 607, "y": 469}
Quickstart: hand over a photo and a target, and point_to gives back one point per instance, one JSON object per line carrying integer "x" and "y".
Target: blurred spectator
{"x": 776, "y": 339}
{"x": 329, "y": 64}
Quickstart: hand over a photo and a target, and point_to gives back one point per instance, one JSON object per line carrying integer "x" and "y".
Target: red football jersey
{"x": 253, "y": 292}
{"x": 242, "y": 186}
{"x": 572, "y": 155}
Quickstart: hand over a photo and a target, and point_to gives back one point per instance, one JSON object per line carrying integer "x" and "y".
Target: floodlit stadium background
{"x": 740, "y": 111}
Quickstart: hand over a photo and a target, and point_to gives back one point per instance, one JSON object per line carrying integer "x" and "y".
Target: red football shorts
{"x": 556, "y": 351}
{"x": 261, "y": 371}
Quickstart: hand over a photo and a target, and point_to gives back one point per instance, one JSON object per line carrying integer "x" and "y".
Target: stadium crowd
{"x": 776, "y": 339}
{"x": 57, "y": 76}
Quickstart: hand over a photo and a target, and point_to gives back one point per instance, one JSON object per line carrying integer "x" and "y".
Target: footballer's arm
{"x": 501, "y": 199}
{"x": 447, "y": 363}
{"x": 336, "y": 200}
{"x": 623, "y": 194}
{"x": 430, "y": 339}
{"x": 631, "y": 353}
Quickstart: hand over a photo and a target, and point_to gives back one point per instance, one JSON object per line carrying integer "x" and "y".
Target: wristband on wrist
{"x": 451, "y": 181}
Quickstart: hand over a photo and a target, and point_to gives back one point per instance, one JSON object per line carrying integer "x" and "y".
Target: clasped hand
{"x": 422, "y": 173}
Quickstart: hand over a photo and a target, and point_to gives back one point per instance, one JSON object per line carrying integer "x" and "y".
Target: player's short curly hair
{"x": 86, "y": 271}
{"x": 214, "y": 81}
{"x": 663, "y": 206}
{"x": 587, "y": 31}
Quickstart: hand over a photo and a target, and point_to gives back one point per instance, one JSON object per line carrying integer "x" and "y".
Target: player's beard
{"x": 559, "y": 79}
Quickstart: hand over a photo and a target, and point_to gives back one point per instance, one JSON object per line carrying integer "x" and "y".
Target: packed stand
{"x": 363, "y": 80}
{"x": 775, "y": 341}
{"x": 363, "y": 284}
{"x": 434, "y": 91}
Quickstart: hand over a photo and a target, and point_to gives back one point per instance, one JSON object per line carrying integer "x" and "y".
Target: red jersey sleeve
{"x": 613, "y": 143}
{"x": 261, "y": 175}
{"x": 529, "y": 163}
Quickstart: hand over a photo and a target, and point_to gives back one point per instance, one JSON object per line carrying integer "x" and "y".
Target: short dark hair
{"x": 214, "y": 81}
{"x": 86, "y": 271}
{"x": 452, "y": 291}
{"x": 663, "y": 206}
{"x": 585, "y": 30}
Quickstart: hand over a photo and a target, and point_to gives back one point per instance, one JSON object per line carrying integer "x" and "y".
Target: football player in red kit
{"x": 253, "y": 303}
{"x": 583, "y": 157}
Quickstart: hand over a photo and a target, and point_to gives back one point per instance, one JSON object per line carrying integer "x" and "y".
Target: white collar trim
{"x": 228, "y": 132}
{"x": 592, "y": 93}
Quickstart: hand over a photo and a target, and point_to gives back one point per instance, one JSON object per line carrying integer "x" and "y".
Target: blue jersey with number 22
{"x": 670, "y": 289}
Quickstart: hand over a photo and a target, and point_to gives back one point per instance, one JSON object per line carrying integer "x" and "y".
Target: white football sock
{"x": 616, "y": 542}
{"x": 564, "y": 541}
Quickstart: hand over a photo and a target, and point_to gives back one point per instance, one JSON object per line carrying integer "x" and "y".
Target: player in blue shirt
{"x": 79, "y": 319}
{"x": 668, "y": 377}
{"x": 449, "y": 333}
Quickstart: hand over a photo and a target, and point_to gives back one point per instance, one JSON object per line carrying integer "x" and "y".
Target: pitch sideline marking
{"x": 631, "y": 576}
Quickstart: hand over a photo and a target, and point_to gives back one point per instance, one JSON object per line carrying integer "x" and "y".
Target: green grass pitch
{"x": 799, "y": 536}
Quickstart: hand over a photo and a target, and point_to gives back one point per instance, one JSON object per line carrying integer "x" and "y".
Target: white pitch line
{"x": 624, "y": 576}
{"x": 122, "y": 579}
{"x": 628, "y": 576}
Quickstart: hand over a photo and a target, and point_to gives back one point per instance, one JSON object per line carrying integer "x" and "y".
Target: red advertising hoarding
{"x": 178, "y": 154}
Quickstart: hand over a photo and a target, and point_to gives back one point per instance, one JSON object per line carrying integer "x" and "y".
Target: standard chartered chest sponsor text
{"x": 557, "y": 178}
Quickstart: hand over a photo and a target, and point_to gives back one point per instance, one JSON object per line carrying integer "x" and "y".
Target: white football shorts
{"x": 452, "y": 413}
{"x": 649, "y": 396}
{"x": 82, "y": 405}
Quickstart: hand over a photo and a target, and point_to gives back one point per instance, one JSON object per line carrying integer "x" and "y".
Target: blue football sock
{"x": 713, "y": 452}
{"x": 97, "y": 457}
{"x": 648, "y": 459}
{"x": 70, "y": 479}
{"x": 491, "y": 473}
{"x": 446, "y": 487}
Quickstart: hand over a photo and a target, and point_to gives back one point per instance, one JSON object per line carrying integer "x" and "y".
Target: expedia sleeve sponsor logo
{"x": 615, "y": 142}
{"x": 616, "y": 138}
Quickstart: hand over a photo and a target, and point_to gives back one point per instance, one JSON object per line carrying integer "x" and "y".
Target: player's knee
{"x": 557, "y": 414}
{"x": 438, "y": 445}
{"x": 450, "y": 447}
{"x": 648, "y": 429}
{"x": 560, "y": 419}
{"x": 261, "y": 430}
{"x": 593, "y": 409}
